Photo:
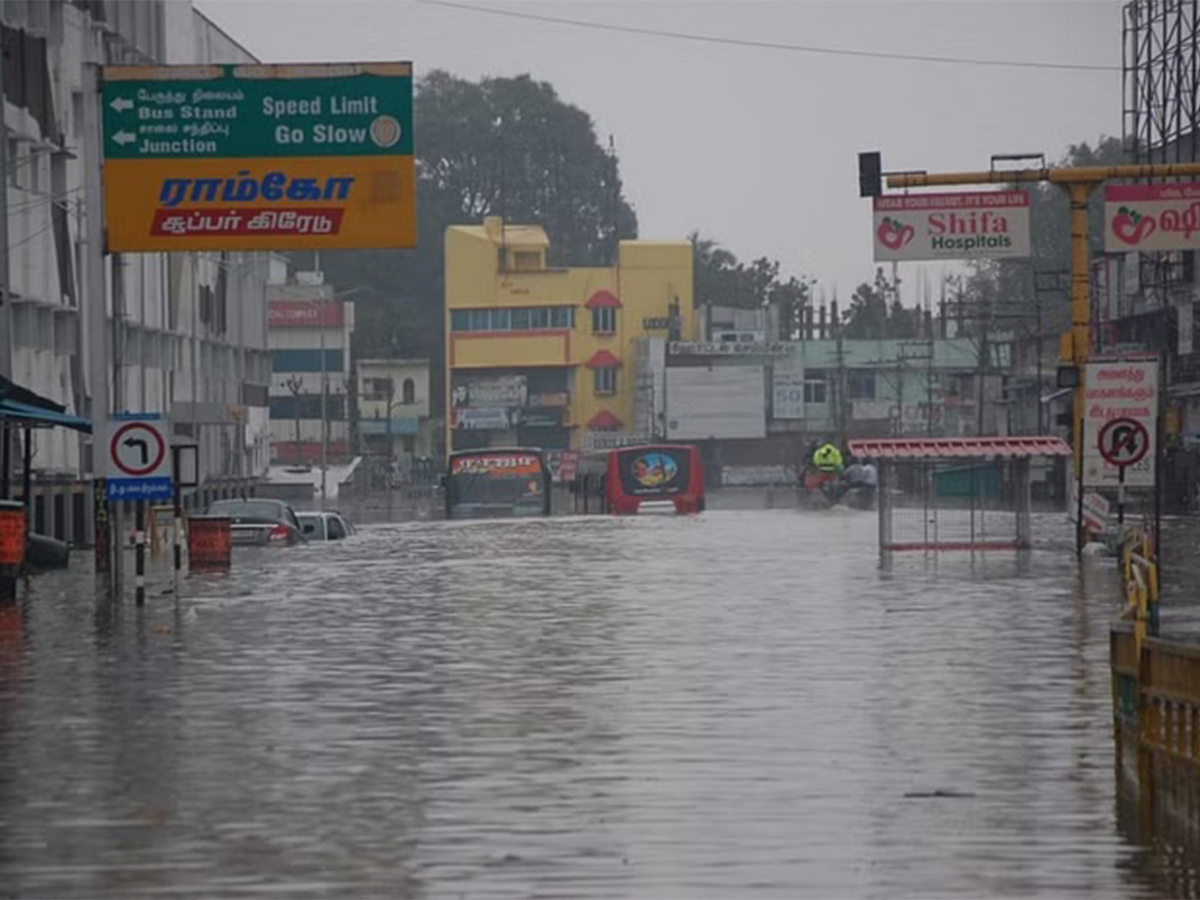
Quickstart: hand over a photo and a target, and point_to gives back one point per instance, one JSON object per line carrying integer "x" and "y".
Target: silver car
{"x": 325, "y": 526}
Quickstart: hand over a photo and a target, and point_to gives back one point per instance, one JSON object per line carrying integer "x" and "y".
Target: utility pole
{"x": 98, "y": 332}
{"x": 295, "y": 385}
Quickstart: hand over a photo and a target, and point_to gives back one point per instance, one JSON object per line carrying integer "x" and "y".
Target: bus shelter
{"x": 968, "y": 493}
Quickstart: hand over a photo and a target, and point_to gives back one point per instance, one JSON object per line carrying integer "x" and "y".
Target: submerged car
{"x": 260, "y": 521}
{"x": 325, "y": 526}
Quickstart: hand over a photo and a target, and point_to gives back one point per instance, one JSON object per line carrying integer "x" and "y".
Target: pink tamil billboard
{"x": 1151, "y": 217}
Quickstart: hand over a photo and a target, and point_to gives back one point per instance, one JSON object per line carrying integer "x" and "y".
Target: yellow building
{"x": 541, "y": 356}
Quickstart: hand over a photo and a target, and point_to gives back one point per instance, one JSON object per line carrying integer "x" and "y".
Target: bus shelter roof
{"x": 959, "y": 448}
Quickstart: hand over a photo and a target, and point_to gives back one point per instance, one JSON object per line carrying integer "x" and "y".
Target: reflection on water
{"x": 744, "y": 703}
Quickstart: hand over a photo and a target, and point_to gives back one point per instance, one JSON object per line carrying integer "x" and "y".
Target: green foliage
{"x": 875, "y": 313}
{"x": 720, "y": 280}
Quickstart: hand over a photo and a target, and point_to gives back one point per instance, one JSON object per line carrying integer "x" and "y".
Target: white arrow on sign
{"x": 124, "y": 137}
{"x": 121, "y": 104}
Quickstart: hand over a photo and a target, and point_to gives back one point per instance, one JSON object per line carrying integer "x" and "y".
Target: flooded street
{"x": 742, "y": 703}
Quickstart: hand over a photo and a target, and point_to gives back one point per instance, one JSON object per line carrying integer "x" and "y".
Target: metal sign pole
{"x": 139, "y": 537}
{"x": 177, "y": 524}
{"x": 1120, "y": 499}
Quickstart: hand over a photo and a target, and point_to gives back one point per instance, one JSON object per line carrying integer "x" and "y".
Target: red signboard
{"x": 304, "y": 314}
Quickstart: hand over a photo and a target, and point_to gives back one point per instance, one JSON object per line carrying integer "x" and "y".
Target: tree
{"x": 1007, "y": 286}
{"x": 503, "y": 146}
{"x": 720, "y": 280}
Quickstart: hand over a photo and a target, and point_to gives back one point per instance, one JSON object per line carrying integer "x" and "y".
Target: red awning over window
{"x": 604, "y": 421}
{"x": 603, "y": 300}
{"x": 603, "y": 359}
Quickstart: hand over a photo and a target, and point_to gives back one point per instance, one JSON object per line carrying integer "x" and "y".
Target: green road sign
{"x": 258, "y": 111}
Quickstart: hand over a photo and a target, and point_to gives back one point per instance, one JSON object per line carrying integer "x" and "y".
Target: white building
{"x": 189, "y": 329}
{"x": 309, "y": 335}
{"x": 393, "y": 400}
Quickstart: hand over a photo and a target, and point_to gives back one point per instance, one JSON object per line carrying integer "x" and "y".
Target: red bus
{"x": 624, "y": 480}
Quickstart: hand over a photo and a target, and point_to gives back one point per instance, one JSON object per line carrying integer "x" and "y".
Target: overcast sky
{"x": 755, "y": 147}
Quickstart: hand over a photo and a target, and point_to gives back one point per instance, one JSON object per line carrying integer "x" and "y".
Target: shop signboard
{"x": 259, "y": 157}
{"x": 304, "y": 314}
{"x": 964, "y": 225}
{"x": 481, "y": 418}
{"x": 507, "y": 390}
{"x": 787, "y": 389}
{"x": 729, "y": 348}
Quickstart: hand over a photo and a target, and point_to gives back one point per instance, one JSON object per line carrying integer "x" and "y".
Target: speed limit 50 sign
{"x": 139, "y": 458}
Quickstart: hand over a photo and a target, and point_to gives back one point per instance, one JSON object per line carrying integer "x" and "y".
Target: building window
{"x": 604, "y": 320}
{"x": 524, "y": 260}
{"x": 862, "y": 386}
{"x": 815, "y": 390}
{"x": 528, "y": 318}
{"x": 409, "y": 391}
{"x": 606, "y": 380}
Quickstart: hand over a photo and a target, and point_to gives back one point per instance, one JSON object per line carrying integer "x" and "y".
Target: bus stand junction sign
{"x": 259, "y": 157}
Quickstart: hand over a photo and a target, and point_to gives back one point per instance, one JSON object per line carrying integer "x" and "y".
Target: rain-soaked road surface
{"x": 740, "y": 704}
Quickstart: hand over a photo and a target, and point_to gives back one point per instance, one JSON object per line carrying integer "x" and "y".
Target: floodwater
{"x": 744, "y": 703}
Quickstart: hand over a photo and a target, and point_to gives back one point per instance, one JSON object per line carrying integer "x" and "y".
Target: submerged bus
{"x": 496, "y": 483}
{"x": 625, "y": 480}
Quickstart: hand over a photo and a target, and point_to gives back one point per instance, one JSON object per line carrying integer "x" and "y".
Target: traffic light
{"x": 870, "y": 175}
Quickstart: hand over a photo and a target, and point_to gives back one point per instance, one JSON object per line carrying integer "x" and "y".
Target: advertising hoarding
{"x": 725, "y": 402}
{"x": 1151, "y": 217}
{"x": 964, "y": 225}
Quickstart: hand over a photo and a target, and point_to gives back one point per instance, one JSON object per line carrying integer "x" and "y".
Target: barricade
{"x": 12, "y": 547}
{"x": 210, "y": 542}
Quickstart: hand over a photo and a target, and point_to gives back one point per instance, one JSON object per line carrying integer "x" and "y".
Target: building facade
{"x": 543, "y": 356}
{"x": 393, "y": 411}
{"x": 188, "y": 329}
{"x": 309, "y": 334}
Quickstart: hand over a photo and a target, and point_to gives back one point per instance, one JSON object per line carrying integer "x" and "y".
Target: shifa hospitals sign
{"x": 971, "y": 225}
{"x": 258, "y": 157}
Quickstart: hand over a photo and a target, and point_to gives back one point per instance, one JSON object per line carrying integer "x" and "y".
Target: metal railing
{"x": 1156, "y": 699}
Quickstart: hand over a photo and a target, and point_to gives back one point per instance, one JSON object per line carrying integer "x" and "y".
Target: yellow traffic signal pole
{"x": 1079, "y": 184}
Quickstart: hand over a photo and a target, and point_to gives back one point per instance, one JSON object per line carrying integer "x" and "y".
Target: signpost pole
{"x": 1120, "y": 499}
{"x": 1079, "y": 529}
{"x": 177, "y": 524}
{"x": 139, "y": 537}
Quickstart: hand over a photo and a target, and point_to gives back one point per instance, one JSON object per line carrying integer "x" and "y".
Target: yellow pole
{"x": 1081, "y": 312}
{"x": 1079, "y": 184}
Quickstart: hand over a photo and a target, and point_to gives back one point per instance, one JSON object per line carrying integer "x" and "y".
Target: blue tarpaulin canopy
{"x": 36, "y": 416}
{"x": 32, "y": 410}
